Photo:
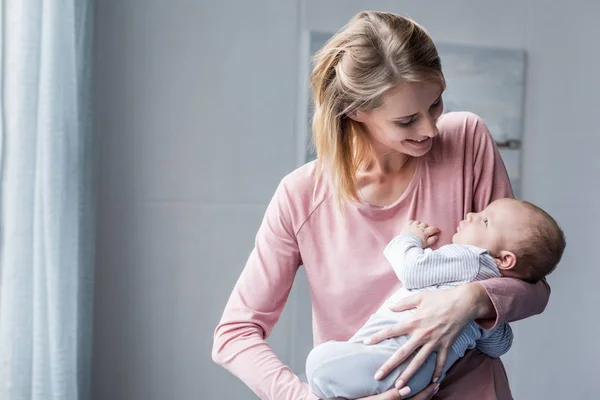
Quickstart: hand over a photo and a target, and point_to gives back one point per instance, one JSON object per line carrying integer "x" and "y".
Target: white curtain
{"x": 46, "y": 224}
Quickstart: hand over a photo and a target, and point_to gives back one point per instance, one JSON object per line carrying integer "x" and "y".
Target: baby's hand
{"x": 427, "y": 234}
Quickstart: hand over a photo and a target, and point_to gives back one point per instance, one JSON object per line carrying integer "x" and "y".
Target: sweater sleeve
{"x": 513, "y": 299}
{"x": 255, "y": 305}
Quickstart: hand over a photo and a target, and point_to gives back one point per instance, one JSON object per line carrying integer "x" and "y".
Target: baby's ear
{"x": 506, "y": 260}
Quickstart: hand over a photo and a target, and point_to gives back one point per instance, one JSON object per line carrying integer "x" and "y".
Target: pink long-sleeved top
{"x": 347, "y": 273}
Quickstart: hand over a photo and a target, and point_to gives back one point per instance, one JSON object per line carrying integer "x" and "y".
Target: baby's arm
{"x": 418, "y": 268}
{"x": 496, "y": 342}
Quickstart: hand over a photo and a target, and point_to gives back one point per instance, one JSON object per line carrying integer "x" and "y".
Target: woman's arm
{"x": 510, "y": 299}
{"x": 255, "y": 306}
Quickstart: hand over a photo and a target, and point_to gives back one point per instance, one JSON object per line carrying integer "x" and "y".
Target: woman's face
{"x": 406, "y": 120}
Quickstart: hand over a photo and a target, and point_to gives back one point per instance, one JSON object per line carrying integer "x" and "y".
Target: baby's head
{"x": 525, "y": 241}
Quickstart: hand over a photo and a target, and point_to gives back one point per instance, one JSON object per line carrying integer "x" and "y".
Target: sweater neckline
{"x": 414, "y": 182}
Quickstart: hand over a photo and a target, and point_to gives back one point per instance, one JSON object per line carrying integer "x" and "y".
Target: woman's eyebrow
{"x": 405, "y": 117}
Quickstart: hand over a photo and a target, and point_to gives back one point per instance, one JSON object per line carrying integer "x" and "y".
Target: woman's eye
{"x": 405, "y": 124}
{"x": 485, "y": 221}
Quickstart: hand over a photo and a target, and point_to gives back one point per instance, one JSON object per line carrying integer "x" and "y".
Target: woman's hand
{"x": 440, "y": 317}
{"x": 393, "y": 394}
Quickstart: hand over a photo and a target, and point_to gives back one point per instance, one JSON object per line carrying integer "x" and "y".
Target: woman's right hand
{"x": 392, "y": 394}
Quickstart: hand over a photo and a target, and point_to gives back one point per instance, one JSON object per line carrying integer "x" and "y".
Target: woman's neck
{"x": 384, "y": 180}
{"x": 389, "y": 163}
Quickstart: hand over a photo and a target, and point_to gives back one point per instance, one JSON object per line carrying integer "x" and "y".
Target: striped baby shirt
{"x": 451, "y": 265}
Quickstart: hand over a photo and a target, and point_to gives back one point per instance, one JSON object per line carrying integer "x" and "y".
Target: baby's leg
{"x": 347, "y": 369}
{"x": 424, "y": 375}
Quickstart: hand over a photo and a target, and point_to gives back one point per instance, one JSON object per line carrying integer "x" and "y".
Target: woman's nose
{"x": 470, "y": 217}
{"x": 429, "y": 127}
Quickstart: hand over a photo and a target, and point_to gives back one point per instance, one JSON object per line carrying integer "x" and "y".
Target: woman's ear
{"x": 506, "y": 260}
{"x": 357, "y": 115}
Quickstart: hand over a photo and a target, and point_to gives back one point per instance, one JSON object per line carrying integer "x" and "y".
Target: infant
{"x": 510, "y": 238}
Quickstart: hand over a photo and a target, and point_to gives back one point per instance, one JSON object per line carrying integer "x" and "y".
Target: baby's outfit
{"x": 347, "y": 369}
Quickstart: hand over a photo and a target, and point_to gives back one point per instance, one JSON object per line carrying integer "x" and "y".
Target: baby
{"x": 510, "y": 238}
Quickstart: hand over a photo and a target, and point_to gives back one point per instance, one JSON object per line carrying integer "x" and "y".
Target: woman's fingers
{"x": 391, "y": 394}
{"x": 442, "y": 356}
{"x": 397, "y": 358}
{"x": 427, "y": 393}
{"x": 414, "y": 365}
{"x": 386, "y": 333}
{"x": 407, "y": 303}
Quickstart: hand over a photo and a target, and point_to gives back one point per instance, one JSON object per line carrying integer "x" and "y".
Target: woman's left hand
{"x": 440, "y": 317}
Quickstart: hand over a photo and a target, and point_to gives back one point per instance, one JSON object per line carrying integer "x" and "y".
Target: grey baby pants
{"x": 346, "y": 369}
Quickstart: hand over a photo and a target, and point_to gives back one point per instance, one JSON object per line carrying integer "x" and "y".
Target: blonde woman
{"x": 386, "y": 155}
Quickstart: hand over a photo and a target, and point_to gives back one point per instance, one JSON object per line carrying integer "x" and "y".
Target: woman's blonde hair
{"x": 373, "y": 53}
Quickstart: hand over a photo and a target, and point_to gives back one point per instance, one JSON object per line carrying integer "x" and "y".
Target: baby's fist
{"x": 428, "y": 234}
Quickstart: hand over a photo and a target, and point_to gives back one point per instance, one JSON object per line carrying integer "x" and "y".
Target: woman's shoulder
{"x": 460, "y": 133}
{"x": 303, "y": 190}
{"x": 305, "y": 179}
{"x": 457, "y": 120}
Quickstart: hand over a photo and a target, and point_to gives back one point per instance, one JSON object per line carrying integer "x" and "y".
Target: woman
{"x": 386, "y": 154}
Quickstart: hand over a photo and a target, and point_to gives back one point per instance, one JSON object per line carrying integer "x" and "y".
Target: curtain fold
{"x": 46, "y": 203}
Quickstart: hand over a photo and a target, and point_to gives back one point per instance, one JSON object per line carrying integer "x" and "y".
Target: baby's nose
{"x": 470, "y": 217}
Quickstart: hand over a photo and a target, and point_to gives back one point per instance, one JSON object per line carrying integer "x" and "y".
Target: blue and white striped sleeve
{"x": 497, "y": 342}
{"x": 419, "y": 268}
{"x": 487, "y": 267}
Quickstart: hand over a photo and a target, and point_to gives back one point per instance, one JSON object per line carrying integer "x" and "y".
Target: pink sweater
{"x": 347, "y": 273}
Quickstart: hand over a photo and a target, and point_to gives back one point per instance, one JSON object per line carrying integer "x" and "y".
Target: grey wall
{"x": 197, "y": 114}
{"x": 195, "y": 121}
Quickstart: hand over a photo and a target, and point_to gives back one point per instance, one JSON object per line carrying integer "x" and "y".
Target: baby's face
{"x": 495, "y": 228}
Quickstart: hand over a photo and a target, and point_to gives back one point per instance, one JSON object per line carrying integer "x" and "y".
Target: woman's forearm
{"x": 483, "y": 308}
{"x": 511, "y": 300}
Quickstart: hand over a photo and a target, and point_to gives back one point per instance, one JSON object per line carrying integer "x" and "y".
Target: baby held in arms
{"x": 510, "y": 238}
